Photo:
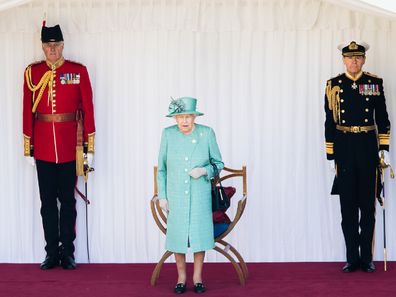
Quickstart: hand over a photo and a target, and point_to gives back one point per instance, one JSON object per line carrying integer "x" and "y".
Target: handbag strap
{"x": 216, "y": 173}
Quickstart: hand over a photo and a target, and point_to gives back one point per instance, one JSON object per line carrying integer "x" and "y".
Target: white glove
{"x": 89, "y": 158}
{"x": 198, "y": 172}
{"x": 332, "y": 165}
{"x": 30, "y": 161}
{"x": 385, "y": 155}
{"x": 164, "y": 205}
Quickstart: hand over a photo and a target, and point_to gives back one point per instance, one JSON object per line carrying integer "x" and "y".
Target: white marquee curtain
{"x": 259, "y": 70}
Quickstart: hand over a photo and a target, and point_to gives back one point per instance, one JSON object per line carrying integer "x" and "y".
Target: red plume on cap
{"x": 44, "y": 19}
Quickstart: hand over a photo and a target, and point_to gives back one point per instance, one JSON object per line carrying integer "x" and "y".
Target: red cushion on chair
{"x": 230, "y": 191}
{"x": 220, "y": 217}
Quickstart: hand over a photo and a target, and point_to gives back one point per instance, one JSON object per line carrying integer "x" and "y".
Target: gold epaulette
{"x": 370, "y": 74}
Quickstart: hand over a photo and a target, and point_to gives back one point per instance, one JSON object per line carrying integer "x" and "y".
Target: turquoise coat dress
{"x": 189, "y": 222}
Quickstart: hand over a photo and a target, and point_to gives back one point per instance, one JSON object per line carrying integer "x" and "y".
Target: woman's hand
{"x": 198, "y": 172}
{"x": 164, "y": 205}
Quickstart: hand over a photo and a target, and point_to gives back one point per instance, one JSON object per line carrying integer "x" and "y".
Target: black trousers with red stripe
{"x": 56, "y": 183}
{"x": 356, "y": 156}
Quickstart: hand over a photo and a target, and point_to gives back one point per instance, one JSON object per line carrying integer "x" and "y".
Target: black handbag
{"x": 220, "y": 200}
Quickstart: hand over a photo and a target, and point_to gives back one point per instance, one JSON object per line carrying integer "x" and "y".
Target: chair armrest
{"x": 156, "y": 211}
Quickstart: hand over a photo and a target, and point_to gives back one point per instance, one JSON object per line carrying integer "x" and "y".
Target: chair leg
{"x": 234, "y": 263}
{"x": 157, "y": 270}
{"x": 239, "y": 257}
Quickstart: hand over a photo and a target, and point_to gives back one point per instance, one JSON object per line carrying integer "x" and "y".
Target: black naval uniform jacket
{"x": 362, "y": 106}
{"x": 358, "y": 106}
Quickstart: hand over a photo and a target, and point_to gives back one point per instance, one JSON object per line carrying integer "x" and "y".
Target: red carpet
{"x": 132, "y": 280}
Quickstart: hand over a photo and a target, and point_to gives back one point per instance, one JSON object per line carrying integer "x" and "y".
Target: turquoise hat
{"x": 183, "y": 105}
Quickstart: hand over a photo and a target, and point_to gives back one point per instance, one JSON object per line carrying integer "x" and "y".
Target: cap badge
{"x": 353, "y": 46}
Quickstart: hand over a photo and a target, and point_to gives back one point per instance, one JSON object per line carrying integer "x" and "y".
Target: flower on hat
{"x": 176, "y": 106}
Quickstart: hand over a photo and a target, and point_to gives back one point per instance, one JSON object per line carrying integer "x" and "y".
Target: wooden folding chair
{"x": 221, "y": 245}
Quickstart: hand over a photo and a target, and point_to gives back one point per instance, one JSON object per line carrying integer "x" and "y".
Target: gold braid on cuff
{"x": 91, "y": 143}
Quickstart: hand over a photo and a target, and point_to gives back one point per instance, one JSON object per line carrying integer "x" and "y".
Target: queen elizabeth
{"x": 185, "y": 160}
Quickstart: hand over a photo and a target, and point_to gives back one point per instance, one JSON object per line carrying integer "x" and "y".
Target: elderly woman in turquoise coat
{"x": 185, "y": 170}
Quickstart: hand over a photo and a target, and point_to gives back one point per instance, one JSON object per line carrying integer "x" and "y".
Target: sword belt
{"x": 356, "y": 129}
{"x": 57, "y": 117}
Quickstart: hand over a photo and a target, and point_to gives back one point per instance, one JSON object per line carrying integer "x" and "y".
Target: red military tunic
{"x": 69, "y": 84}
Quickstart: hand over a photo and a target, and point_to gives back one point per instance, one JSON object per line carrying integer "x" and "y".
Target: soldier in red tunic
{"x": 57, "y": 97}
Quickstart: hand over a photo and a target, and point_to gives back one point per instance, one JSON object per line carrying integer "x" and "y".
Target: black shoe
{"x": 68, "y": 262}
{"x": 199, "y": 288}
{"x": 49, "y": 262}
{"x": 350, "y": 267}
{"x": 180, "y": 288}
{"x": 370, "y": 267}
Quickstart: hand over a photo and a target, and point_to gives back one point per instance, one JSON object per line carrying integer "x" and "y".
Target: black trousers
{"x": 357, "y": 161}
{"x": 56, "y": 182}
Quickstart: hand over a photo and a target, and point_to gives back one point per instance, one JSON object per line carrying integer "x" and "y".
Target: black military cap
{"x": 353, "y": 49}
{"x": 51, "y": 34}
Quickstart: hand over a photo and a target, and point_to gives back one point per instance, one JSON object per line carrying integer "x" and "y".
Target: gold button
{"x": 343, "y": 111}
{"x": 343, "y": 121}
{"x": 340, "y": 81}
{"x": 341, "y": 91}
{"x": 369, "y": 80}
{"x": 342, "y": 100}
{"x": 367, "y": 99}
{"x": 366, "y": 110}
{"x": 365, "y": 120}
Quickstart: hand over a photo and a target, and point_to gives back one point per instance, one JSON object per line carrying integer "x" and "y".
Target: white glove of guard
{"x": 30, "y": 161}
{"x": 89, "y": 157}
{"x": 386, "y": 156}
{"x": 332, "y": 165}
{"x": 164, "y": 205}
{"x": 198, "y": 172}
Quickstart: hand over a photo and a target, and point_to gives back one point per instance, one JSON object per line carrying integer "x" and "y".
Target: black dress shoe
{"x": 180, "y": 288}
{"x": 368, "y": 267}
{"x": 350, "y": 267}
{"x": 199, "y": 288}
{"x": 49, "y": 262}
{"x": 68, "y": 262}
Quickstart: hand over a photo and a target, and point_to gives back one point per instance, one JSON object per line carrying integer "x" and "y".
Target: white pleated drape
{"x": 258, "y": 69}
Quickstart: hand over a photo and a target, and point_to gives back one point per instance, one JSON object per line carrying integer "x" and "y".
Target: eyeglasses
{"x": 52, "y": 44}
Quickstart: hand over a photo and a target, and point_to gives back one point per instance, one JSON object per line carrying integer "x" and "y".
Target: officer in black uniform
{"x": 357, "y": 131}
